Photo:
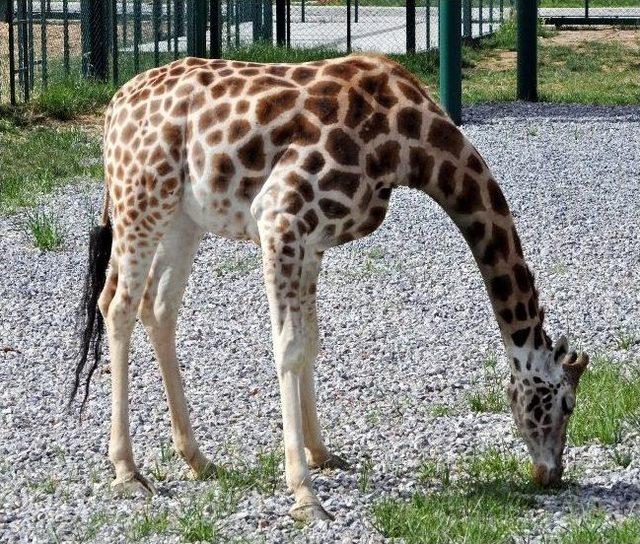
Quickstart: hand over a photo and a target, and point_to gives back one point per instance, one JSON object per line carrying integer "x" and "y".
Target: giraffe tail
{"x": 90, "y": 323}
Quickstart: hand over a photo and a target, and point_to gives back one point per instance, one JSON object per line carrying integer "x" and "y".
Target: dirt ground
{"x": 55, "y": 48}
{"x": 576, "y": 38}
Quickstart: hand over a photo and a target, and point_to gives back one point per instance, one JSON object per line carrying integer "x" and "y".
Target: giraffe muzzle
{"x": 545, "y": 476}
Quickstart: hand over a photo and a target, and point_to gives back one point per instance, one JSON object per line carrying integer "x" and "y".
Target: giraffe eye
{"x": 567, "y": 406}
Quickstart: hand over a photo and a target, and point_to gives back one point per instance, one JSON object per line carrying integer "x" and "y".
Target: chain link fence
{"x": 44, "y": 41}
{"x": 590, "y": 12}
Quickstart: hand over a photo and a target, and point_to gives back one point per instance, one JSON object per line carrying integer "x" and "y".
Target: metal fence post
{"x": 215, "y": 37}
{"x": 411, "y": 26}
{"x": 288, "y": 24}
{"x": 467, "y": 15}
{"x": 267, "y": 21}
{"x": 198, "y": 27}
{"x": 349, "y": 26}
{"x": 527, "y": 50}
{"x": 115, "y": 68}
{"x": 257, "y": 20}
{"x": 97, "y": 39}
{"x": 12, "y": 65}
{"x": 281, "y": 36}
{"x": 451, "y": 58}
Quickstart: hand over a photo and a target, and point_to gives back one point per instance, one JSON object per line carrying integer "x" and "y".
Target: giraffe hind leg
{"x": 159, "y": 312}
{"x": 132, "y": 254}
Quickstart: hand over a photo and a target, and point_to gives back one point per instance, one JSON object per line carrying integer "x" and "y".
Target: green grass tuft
{"x": 608, "y": 400}
{"x": 147, "y": 523}
{"x": 491, "y": 395}
{"x": 488, "y": 501}
{"x": 594, "y": 528}
{"x": 70, "y": 98}
{"x": 625, "y": 339}
{"x": 44, "y": 229}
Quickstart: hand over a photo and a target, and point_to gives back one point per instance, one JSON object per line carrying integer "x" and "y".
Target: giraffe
{"x": 298, "y": 159}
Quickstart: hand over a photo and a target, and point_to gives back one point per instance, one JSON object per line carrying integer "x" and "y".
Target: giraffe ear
{"x": 561, "y": 348}
{"x": 573, "y": 366}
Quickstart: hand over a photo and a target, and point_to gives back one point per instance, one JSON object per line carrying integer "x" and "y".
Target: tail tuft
{"x": 90, "y": 321}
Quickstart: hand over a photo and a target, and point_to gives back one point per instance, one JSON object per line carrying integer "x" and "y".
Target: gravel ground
{"x": 405, "y": 324}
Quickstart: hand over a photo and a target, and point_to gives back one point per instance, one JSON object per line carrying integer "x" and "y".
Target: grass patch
{"x": 487, "y": 502}
{"x": 36, "y": 160}
{"x": 44, "y": 229}
{"x": 264, "y": 476}
{"x": 626, "y": 339}
{"x": 608, "y": 400}
{"x": 237, "y": 265}
{"x": 147, "y": 523}
{"x": 491, "y": 398}
{"x": 70, "y": 98}
{"x": 96, "y": 522}
{"x": 594, "y": 528}
{"x": 364, "y": 475}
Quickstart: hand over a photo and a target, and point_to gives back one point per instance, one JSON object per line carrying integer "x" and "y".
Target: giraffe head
{"x": 542, "y": 395}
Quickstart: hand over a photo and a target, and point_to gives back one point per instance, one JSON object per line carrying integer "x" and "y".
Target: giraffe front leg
{"x": 318, "y": 456}
{"x": 283, "y": 255}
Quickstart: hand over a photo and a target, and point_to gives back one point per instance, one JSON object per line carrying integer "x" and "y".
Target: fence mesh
{"x": 114, "y": 39}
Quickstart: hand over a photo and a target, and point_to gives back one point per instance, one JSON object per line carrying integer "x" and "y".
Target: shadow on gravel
{"x": 621, "y": 496}
{"x": 560, "y": 113}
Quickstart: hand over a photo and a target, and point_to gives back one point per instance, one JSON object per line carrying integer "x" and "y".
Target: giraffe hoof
{"x": 133, "y": 483}
{"x": 332, "y": 462}
{"x": 206, "y": 471}
{"x": 307, "y": 513}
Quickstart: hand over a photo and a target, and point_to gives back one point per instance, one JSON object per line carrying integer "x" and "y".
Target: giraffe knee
{"x": 292, "y": 353}
{"x": 121, "y": 311}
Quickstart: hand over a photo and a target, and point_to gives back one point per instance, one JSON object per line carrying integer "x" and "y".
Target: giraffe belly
{"x": 219, "y": 213}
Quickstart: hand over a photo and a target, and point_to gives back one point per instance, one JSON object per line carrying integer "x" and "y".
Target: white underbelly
{"x": 219, "y": 214}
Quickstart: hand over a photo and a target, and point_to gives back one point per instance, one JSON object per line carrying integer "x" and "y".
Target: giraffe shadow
{"x": 620, "y": 497}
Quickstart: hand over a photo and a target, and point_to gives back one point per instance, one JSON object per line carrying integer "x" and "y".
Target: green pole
{"x": 527, "y": 50}
{"x": 451, "y": 58}
{"x": 198, "y": 24}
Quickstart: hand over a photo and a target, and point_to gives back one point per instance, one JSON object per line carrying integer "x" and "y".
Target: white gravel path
{"x": 405, "y": 325}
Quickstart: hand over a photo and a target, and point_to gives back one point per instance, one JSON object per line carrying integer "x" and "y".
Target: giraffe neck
{"x": 450, "y": 170}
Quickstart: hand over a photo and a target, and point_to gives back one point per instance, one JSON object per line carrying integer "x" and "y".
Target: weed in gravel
{"x": 607, "y": 401}
{"x": 626, "y": 339}
{"x": 441, "y": 410}
{"x": 433, "y": 471}
{"x": 44, "y": 228}
{"x": 621, "y": 457}
{"x": 373, "y": 261}
{"x": 237, "y": 265}
{"x": 159, "y": 470}
{"x": 364, "y": 474}
{"x": 147, "y": 523}
{"x": 263, "y": 476}
{"x": 47, "y": 485}
{"x": 595, "y": 528}
{"x": 491, "y": 397}
{"x": 197, "y": 526}
{"x": 94, "y": 524}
